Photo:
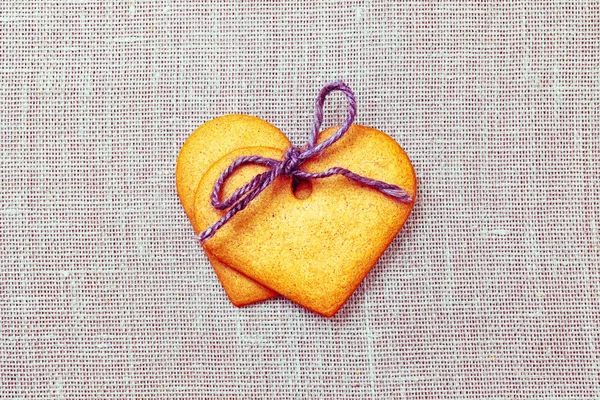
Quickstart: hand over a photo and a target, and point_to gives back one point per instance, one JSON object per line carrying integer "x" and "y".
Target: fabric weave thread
{"x": 490, "y": 291}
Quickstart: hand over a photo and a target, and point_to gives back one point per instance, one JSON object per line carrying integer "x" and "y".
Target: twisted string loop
{"x": 290, "y": 166}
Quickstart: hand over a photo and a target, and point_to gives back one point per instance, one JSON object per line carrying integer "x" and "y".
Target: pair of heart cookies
{"x": 313, "y": 243}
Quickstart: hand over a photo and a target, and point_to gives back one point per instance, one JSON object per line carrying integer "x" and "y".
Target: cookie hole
{"x": 302, "y": 188}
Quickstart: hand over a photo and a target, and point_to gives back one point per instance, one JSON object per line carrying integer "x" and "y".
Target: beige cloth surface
{"x": 492, "y": 290}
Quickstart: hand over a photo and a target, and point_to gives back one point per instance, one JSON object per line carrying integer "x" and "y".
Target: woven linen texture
{"x": 492, "y": 289}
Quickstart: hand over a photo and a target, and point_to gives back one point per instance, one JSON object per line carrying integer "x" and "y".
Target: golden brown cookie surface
{"x": 206, "y": 145}
{"x": 314, "y": 251}
{"x": 240, "y": 289}
{"x": 211, "y": 141}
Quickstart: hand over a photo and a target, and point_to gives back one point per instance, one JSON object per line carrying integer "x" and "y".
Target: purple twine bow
{"x": 290, "y": 166}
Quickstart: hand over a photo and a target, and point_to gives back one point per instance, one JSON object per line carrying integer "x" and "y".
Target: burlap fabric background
{"x": 490, "y": 291}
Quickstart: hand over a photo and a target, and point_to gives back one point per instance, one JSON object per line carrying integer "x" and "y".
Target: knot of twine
{"x": 290, "y": 166}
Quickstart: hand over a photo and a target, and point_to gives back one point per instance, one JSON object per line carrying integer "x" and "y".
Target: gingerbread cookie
{"x": 207, "y": 144}
{"x": 314, "y": 249}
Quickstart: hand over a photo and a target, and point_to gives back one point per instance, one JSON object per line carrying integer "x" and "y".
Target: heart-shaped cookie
{"x": 314, "y": 251}
{"x": 207, "y": 144}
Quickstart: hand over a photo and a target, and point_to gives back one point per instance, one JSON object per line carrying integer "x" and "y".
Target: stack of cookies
{"x": 312, "y": 242}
